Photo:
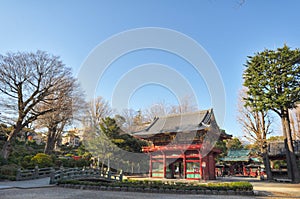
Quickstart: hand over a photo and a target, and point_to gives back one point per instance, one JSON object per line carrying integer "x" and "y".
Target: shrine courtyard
{"x": 262, "y": 189}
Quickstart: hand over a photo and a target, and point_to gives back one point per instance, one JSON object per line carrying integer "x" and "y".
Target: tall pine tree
{"x": 273, "y": 78}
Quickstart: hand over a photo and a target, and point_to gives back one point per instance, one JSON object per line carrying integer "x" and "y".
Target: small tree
{"x": 256, "y": 127}
{"x": 273, "y": 79}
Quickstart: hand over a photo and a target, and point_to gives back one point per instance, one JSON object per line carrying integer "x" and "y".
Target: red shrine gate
{"x": 177, "y": 140}
{"x": 181, "y": 161}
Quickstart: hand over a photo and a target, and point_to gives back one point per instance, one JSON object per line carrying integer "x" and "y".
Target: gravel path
{"x": 65, "y": 193}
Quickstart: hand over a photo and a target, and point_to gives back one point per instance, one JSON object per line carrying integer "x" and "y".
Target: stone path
{"x": 43, "y": 182}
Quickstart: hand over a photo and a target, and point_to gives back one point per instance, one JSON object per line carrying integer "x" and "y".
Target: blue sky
{"x": 228, "y": 32}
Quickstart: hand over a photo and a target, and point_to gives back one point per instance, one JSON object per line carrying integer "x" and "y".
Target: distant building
{"x": 276, "y": 150}
{"x": 37, "y": 137}
{"x": 72, "y": 137}
{"x": 240, "y": 162}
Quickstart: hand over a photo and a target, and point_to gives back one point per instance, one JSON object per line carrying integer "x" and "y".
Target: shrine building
{"x": 183, "y": 145}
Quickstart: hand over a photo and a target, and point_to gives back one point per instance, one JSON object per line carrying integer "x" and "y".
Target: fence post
{"x": 18, "y": 176}
{"x": 36, "y": 172}
{"x": 52, "y": 175}
{"x": 109, "y": 174}
{"x": 61, "y": 173}
{"x": 121, "y": 175}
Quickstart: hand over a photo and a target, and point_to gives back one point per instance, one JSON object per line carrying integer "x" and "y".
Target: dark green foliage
{"x": 26, "y": 162}
{"x": 234, "y": 143}
{"x": 71, "y": 163}
{"x": 22, "y": 149}
{"x": 221, "y": 145}
{"x": 119, "y": 138}
{"x": 8, "y": 171}
{"x": 273, "y": 79}
{"x": 3, "y": 161}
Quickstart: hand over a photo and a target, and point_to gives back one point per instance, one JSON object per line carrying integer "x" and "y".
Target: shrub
{"x": 42, "y": 160}
{"x": 3, "y": 161}
{"x": 8, "y": 171}
{"x": 26, "y": 162}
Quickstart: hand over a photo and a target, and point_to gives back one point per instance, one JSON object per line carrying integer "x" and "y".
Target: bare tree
{"x": 186, "y": 105}
{"x": 98, "y": 109}
{"x": 130, "y": 120}
{"x": 27, "y": 80}
{"x": 69, "y": 105}
{"x": 161, "y": 108}
{"x": 256, "y": 126}
{"x": 157, "y": 110}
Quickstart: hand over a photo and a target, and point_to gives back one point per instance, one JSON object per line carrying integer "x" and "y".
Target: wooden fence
{"x": 35, "y": 173}
{"x": 76, "y": 173}
{"x": 66, "y": 174}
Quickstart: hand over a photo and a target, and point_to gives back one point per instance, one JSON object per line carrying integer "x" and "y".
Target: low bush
{"x": 71, "y": 163}
{"x": 26, "y": 162}
{"x": 8, "y": 171}
{"x": 42, "y": 160}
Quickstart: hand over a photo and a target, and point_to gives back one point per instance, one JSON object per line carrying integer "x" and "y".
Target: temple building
{"x": 240, "y": 162}
{"x": 183, "y": 145}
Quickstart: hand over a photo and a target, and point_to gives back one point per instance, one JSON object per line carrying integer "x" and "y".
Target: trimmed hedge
{"x": 223, "y": 186}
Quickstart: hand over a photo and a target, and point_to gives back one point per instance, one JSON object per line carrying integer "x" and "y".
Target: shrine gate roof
{"x": 238, "y": 155}
{"x": 178, "y": 123}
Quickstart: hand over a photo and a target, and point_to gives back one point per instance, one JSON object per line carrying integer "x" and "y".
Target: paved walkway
{"x": 43, "y": 182}
{"x": 280, "y": 190}
{"x": 66, "y": 193}
{"x": 277, "y": 189}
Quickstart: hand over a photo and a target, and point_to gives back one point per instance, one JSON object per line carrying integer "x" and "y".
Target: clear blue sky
{"x": 227, "y": 31}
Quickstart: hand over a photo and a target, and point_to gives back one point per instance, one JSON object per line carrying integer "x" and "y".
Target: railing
{"x": 76, "y": 173}
{"x": 35, "y": 173}
{"x": 66, "y": 174}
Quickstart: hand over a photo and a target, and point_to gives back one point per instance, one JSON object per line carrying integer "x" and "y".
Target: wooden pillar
{"x": 150, "y": 166}
{"x": 184, "y": 165}
{"x": 200, "y": 165}
{"x": 164, "y": 165}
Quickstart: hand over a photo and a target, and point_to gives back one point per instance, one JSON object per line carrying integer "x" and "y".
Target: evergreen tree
{"x": 273, "y": 78}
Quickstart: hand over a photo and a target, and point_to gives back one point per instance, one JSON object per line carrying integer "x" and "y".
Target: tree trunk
{"x": 7, "y": 146}
{"x": 50, "y": 144}
{"x": 267, "y": 164}
{"x": 290, "y": 145}
{"x": 287, "y": 151}
{"x": 51, "y": 139}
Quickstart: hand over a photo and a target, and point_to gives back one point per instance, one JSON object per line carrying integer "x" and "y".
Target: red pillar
{"x": 164, "y": 165}
{"x": 150, "y": 165}
{"x": 200, "y": 165}
{"x": 184, "y": 165}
